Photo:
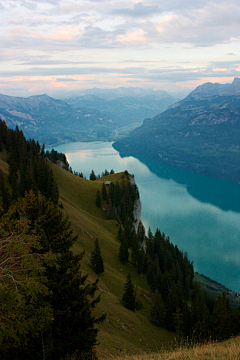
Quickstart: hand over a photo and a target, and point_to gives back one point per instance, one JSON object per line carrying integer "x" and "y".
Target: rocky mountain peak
{"x": 209, "y": 90}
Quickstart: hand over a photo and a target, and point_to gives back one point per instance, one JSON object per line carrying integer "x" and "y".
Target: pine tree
{"x": 104, "y": 192}
{"x": 223, "y": 318}
{"x": 128, "y": 297}
{"x": 24, "y": 309}
{"x": 98, "y": 199}
{"x": 92, "y": 176}
{"x": 96, "y": 258}
{"x": 178, "y": 323}
{"x": 123, "y": 251}
{"x": 71, "y": 326}
{"x": 158, "y": 310}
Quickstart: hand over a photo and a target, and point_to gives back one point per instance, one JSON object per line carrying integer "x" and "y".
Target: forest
{"x": 47, "y": 303}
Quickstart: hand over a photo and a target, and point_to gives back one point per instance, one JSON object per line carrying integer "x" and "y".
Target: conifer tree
{"x": 123, "y": 251}
{"x": 104, "y": 192}
{"x": 96, "y": 258}
{"x": 158, "y": 310}
{"x": 178, "y": 323}
{"x": 71, "y": 326}
{"x": 128, "y": 297}
{"x": 92, "y": 175}
{"x": 98, "y": 199}
{"x": 223, "y": 318}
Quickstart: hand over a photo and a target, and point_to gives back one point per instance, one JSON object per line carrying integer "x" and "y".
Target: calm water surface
{"x": 200, "y": 214}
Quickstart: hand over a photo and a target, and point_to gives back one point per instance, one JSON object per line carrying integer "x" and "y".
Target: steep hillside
{"x": 123, "y": 330}
{"x": 199, "y": 134}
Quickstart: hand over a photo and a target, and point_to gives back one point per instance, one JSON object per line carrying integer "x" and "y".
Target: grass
{"x": 228, "y": 350}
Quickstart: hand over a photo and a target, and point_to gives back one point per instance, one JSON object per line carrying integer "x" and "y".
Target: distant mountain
{"x": 131, "y": 108}
{"x": 85, "y": 118}
{"x": 200, "y": 133}
{"x": 53, "y": 121}
{"x": 111, "y": 94}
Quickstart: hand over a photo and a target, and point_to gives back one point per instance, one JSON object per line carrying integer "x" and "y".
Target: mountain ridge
{"x": 199, "y": 134}
{"x": 85, "y": 118}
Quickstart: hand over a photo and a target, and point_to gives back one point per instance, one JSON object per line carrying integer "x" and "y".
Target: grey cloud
{"x": 183, "y": 75}
{"x": 225, "y": 64}
{"x": 56, "y": 62}
{"x": 199, "y": 23}
{"x": 71, "y": 71}
{"x": 28, "y": 5}
{"x": 64, "y": 79}
{"x": 139, "y": 10}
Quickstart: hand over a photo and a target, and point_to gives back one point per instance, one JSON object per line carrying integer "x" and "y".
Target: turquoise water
{"x": 200, "y": 214}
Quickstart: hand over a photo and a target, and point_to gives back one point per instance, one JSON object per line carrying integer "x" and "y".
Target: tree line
{"x": 178, "y": 302}
{"x": 46, "y": 303}
{"x": 28, "y": 168}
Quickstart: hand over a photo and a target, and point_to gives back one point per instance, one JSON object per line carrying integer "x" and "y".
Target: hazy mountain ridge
{"x": 85, "y": 118}
{"x": 199, "y": 134}
{"x": 125, "y": 110}
{"x": 52, "y": 121}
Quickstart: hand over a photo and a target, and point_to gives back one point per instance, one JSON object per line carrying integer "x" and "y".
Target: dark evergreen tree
{"x": 223, "y": 318}
{"x": 123, "y": 251}
{"x": 4, "y": 193}
{"x": 178, "y": 323}
{"x": 158, "y": 310}
{"x": 96, "y": 258}
{"x": 92, "y": 176}
{"x": 98, "y": 199}
{"x": 104, "y": 192}
{"x": 71, "y": 328}
{"x": 128, "y": 297}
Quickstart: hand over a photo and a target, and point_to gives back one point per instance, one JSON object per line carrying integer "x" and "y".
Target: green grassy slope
{"x": 123, "y": 330}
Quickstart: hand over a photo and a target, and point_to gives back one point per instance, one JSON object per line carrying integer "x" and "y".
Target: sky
{"x": 55, "y": 46}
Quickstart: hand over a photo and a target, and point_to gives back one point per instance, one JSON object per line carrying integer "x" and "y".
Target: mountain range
{"x": 86, "y": 117}
{"x": 199, "y": 134}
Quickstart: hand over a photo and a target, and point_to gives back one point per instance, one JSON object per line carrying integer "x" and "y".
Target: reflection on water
{"x": 200, "y": 214}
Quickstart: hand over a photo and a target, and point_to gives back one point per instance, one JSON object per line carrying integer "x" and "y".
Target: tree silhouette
{"x": 128, "y": 297}
{"x": 96, "y": 258}
{"x": 57, "y": 287}
{"x": 104, "y": 192}
{"x": 92, "y": 175}
{"x": 98, "y": 199}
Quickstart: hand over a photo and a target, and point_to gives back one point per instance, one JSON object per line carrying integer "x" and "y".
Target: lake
{"x": 200, "y": 214}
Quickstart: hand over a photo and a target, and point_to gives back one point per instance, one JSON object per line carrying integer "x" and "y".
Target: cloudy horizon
{"x": 52, "y": 46}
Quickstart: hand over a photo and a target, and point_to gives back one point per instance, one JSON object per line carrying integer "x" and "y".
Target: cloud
{"x": 225, "y": 64}
{"x": 56, "y": 62}
{"x": 65, "y": 79}
{"x": 214, "y": 23}
{"x": 66, "y": 39}
{"x": 38, "y": 71}
{"x": 139, "y": 10}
